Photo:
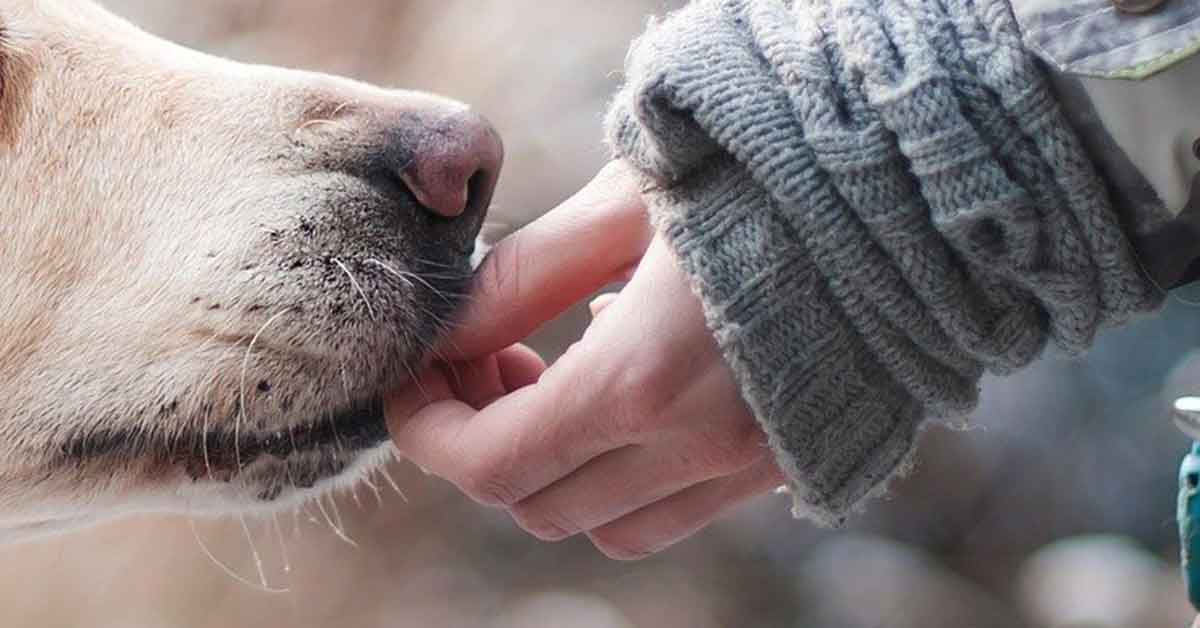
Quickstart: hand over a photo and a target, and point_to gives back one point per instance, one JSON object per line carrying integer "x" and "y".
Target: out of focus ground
{"x": 996, "y": 528}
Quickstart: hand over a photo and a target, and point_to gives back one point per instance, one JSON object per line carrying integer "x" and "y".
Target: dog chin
{"x": 214, "y": 499}
{"x": 270, "y": 485}
{"x": 264, "y": 487}
{"x": 279, "y": 470}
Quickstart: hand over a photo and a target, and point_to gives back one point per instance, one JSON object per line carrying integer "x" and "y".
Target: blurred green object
{"x": 1187, "y": 418}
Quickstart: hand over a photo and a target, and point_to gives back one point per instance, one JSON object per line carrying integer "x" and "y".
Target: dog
{"x": 211, "y": 271}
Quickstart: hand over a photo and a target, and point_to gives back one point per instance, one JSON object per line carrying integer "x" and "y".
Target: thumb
{"x": 538, "y": 272}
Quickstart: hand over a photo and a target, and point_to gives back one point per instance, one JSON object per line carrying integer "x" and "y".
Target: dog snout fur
{"x": 212, "y": 270}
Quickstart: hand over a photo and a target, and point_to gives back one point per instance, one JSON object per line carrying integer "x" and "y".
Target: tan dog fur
{"x": 160, "y": 269}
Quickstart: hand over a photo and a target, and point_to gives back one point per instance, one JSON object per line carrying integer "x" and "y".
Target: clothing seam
{"x": 1146, "y": 39}
{"x": 1075, "y": 20}
{"x": 1158, "y": 64}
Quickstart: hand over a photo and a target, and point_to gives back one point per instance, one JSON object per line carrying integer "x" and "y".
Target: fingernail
{"x": 598, "y": 304}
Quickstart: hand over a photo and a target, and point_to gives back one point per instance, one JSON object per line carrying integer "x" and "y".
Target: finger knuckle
{"x": 487, "y": 485}
{"x": 738, "y": 447}
{"x": 645, "y": 396}
{"x": 643, "y": 382}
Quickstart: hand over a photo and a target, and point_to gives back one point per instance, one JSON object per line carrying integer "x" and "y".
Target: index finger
{"x": 538, "y": 272}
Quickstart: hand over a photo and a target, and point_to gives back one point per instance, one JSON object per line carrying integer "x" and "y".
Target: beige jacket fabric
{"x": 1130, "y": 83}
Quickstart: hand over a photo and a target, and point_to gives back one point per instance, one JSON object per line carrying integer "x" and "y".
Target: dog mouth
{"x": 222, "y": 455}
{"x": 308, "y": 452}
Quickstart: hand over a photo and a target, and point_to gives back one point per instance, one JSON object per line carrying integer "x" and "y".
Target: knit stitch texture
{"x": 877, "y": 201}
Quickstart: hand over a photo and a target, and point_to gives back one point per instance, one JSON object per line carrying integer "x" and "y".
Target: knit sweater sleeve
{"x": 877, "y": 201}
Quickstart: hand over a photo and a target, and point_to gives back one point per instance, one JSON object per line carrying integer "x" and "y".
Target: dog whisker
{"x": 337, "y": 513}
{"x": 341, "y": 534}
{"x": 409, "y": 277}
{"x": 264, "y": 587}
{"x": 241, "y": 414}
{"x": 417, "y": 382}
{"x": 283, "y": 553}
{"x": 354, "y": 496}
{"x": 397, "y": 274}
{"x": 337, "y": 437}
{"x": 434, "y": 264}
{"x": 296, "y": 521}
{"x": 396, "y": 487}
{"x": 374, "y": 489}
{"x": 204, "y": 427}
{"x": 312, "y": 123}
{"x": 254, "y": 555}
{"x": 357, "y": 286}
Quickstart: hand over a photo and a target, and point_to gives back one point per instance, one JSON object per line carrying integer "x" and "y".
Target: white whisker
{"x": 295, "y": 521}
{"x": 283, "y": 553}
{"x": 374, "y": 489}
{"x": 408, "y": 277}
{"x": 417, "y": 382}
{"x": 345, "y": 383}
{"x": 254, "y": 555}
{"x": 337, "y": 516}
{"x": 333, "y": 526}
{"x": 204, "y": 421}
{"x": 241, "y": 415}
{"x": 358, "y": 287}
{"x": 225, "y": 568}
{"x": 395, "y": 273}
{"x": 312, "y": 123}
{"x": 396, "y": 487}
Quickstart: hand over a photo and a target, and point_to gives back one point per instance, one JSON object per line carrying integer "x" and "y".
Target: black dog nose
{"x": 454, "y": 165}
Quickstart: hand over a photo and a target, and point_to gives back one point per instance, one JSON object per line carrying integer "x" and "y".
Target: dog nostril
{"x": 455, "y": 166}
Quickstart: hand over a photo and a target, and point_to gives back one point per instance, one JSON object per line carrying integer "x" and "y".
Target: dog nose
{"x": 455, "y": 165}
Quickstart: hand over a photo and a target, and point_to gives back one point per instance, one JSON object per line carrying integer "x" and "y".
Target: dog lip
{"x": 359, "y": 427}
{"x": 222, "y": 455}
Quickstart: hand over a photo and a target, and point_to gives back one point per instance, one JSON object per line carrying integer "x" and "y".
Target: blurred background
{"x": 1053, "y": 509}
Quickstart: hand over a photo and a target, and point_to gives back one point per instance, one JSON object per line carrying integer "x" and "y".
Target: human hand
{"x": 638, "y": 436}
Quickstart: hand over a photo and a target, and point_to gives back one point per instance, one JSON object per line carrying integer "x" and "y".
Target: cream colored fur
{"x": 141, "y": 291}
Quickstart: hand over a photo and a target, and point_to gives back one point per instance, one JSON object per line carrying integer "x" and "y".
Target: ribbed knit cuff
{"x": 838, "y": 424}
{"x": 877, "y": 201}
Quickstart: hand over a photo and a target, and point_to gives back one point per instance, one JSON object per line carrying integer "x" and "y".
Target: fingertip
{"x": 520, "y": 366}
{"x": 597, "y": 305}
{"x": 536, "y": 273}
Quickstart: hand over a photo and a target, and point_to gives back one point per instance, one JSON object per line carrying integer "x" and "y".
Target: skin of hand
{"x": 637, "y": 436}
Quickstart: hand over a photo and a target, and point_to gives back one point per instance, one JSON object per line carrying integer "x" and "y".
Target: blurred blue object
{"x": 1187, "y": 418}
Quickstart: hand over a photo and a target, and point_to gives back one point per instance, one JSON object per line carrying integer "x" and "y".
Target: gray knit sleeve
{"x": 877, "y": 201}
